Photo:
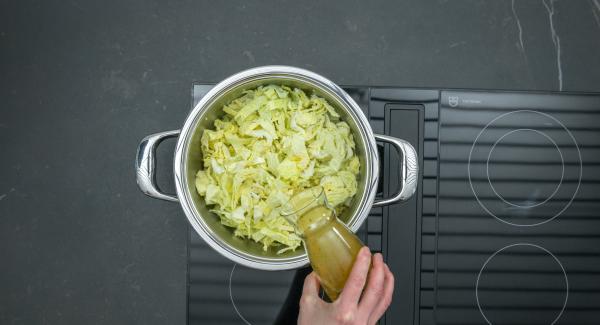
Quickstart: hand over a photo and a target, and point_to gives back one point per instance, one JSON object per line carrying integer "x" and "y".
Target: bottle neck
{"x": 314, "y": 220}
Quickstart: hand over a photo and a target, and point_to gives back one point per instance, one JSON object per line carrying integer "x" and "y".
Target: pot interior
{"x": 193, "y": 162}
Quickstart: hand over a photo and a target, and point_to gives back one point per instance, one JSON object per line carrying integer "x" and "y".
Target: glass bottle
{"x": 331, "y": 247}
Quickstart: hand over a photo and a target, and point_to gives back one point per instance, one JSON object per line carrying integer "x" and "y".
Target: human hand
{"x": 349, "y": 308}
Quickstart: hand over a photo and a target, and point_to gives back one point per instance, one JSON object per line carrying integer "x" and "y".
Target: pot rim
{"x": 182, "y": 147}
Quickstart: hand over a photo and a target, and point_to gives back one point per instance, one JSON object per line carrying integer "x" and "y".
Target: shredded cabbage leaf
{"x": 273, "y": 142}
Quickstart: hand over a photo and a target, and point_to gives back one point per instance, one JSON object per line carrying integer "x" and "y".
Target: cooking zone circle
{"x": 257, "y": 296}
{"x": 525, "y": 176}
{"x": 522, "y": 281}
{"x": 527, "y": 204}
{"x": 233, "y": 304}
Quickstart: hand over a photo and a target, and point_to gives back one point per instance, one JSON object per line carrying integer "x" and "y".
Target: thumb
{"x": 311, "y": 285}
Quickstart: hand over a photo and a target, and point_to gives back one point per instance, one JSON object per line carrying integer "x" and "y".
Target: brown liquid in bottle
{"x": 330, "y": 245}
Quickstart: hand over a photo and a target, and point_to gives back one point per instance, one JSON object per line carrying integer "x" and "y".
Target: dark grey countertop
{"x": 82, "y": 82}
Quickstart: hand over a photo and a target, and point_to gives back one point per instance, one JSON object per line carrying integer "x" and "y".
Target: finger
{"x": 374, "y": 289}
{"x": 310, "y": 293}
{"x": 356, "y": 279}
{"x": 386, "y": 298}
{"x": 311, "y": 285}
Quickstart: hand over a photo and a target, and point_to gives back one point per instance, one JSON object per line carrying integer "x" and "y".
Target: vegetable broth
{"x": 332, "y": 248}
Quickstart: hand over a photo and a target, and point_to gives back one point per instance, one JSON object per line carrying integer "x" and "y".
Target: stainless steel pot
{"x": 188, "y": 160}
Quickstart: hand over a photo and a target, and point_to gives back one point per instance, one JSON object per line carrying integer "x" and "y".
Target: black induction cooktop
{"x": 504, "y": 228}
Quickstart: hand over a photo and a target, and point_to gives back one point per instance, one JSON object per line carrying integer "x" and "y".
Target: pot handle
{"x": 145, "y": 163}
{"x": 410, "y": 170}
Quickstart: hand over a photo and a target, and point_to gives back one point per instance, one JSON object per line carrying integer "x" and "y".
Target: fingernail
{"x": 379, "y": 258}
{"x": 365, "y": 250}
